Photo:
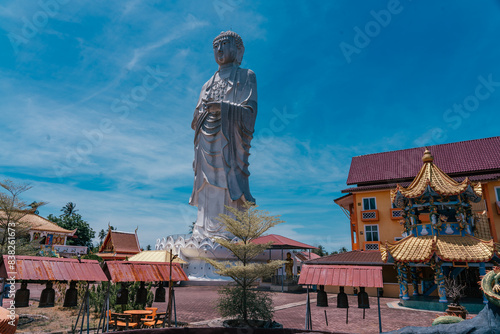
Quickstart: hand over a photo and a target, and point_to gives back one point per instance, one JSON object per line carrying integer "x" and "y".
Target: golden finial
{"x": 427, "y": 156}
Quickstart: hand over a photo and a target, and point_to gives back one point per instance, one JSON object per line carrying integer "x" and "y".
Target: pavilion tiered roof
{"x": 431, "y": 179}
{"x": 451, "y": 248}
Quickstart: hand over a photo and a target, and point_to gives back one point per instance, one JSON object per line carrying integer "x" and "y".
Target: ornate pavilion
{"x": 443, "y": 245}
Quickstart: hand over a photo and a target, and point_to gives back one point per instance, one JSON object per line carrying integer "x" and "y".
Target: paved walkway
{"x": 196, "y": 305}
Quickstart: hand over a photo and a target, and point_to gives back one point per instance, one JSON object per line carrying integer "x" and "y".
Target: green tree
{"x": 71, "y": 220}
{"x": 14, "y": 230}
{"x": 341, "y": 250}
{"x": 240, "y": 301}
{"x": 320, "y": 251}
{"x": 103, "y": 233}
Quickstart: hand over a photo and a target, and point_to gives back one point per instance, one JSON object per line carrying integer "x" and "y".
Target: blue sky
{"x": 97, "y": 99}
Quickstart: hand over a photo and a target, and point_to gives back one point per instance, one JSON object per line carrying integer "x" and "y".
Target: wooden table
{"x": 138, "y": 314}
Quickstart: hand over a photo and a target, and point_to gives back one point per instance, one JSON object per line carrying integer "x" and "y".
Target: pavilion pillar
{"x": 414, "y": 278}
{"x": 439, "y": 280}
{"x": 403, "y": 281}
{"x": 482, "y": 272}
{"x": 400, "y": 281}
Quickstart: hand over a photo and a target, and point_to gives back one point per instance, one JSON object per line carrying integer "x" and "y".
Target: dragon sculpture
{"x": 490, "y": 284}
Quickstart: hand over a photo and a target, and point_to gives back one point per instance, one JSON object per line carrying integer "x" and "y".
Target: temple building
{"x": 432, "y": 213}
{"x": 52, "y": 237}
{"x": 119, "y": 246}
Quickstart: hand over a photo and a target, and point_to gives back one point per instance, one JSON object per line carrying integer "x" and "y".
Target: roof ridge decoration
{"x": 432, "y": 179}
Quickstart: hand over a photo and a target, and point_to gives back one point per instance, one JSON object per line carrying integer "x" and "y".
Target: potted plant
{"x": 455, "y": 291}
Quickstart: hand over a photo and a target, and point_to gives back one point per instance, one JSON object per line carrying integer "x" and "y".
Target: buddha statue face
{"x": 225, "y": 50}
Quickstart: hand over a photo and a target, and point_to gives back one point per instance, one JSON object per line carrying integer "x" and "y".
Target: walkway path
{"x": 197, "y": 306}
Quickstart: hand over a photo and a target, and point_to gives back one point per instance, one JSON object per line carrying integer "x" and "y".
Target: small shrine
{"x": 438, "y": 230}
{"x": 119, "y": 246}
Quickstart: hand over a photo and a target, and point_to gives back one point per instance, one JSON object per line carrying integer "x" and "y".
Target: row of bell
{"x": 47, "y": 297}
{"x": 363, "y": 301}
{"x": 342, "y": 301}
{"x": 142, "y": 295}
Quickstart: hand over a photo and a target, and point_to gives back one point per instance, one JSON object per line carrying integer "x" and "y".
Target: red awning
{"x": 358, "y": 276}
{"x": 281, "y": 242}
{"x": 37, "y": 268}
{"x": 124, "y": 271}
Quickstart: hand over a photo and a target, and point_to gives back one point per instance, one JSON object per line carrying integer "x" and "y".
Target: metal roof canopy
{"x": 125, "y": 271}
{"x": 355, "y": 276}
{"x": 155, "y": 256}
{"x": 37, "y": 268}
{"x": 281, "y": 242}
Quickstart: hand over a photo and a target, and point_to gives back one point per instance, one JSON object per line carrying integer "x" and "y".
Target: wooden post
{"x": 170, "y": 291}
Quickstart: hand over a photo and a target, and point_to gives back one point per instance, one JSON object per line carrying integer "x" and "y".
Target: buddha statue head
{"x": 228, "y": 48}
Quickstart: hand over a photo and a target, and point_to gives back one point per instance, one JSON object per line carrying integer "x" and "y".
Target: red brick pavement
{"x": 197, "y": 304}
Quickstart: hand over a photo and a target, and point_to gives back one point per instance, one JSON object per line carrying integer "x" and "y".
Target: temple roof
{"x": 355, "y": 257}
{"x": 281, "y": 242}
{"x": 448, "y": 248}
{"x": 155, "y": 256}
{"x": 432, "y": 179}
{"x": 119, "y": 245}
{"x": 38, "y": 223}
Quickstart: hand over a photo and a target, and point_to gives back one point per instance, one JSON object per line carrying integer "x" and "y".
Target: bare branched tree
{"x": 14, "y": 237}
{"x": 454, "y": 290}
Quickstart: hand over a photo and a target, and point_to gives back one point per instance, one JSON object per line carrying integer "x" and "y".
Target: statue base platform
{"x": 194, "y": 249}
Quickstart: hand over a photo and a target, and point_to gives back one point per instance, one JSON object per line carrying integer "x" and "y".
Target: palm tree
{"x": 69, "y": 209}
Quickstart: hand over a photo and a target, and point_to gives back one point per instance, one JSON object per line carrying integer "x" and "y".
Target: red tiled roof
{"x": 37, "y": 268}
{"x": 121, "y": 271}
{"x": 125, "y": 242}
{"x": 355, "y": 257}
{"x": 305, "y": 256}
{"x": 281, "y": 242}
{"x": 368, "y": 276}
{"x": 465, "y": 157}
{"x": 473, "y": 178}
{"x": 122, "y": 242}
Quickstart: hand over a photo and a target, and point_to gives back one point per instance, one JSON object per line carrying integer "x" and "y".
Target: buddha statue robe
{"x": 221, "y": 148}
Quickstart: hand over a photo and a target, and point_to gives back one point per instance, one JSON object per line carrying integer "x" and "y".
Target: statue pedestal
{"x": 194, "y": 249}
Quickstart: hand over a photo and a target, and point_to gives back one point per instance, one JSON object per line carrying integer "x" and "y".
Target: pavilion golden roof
{"x": 430, "y": 176}
{"x": 449, "y": 248}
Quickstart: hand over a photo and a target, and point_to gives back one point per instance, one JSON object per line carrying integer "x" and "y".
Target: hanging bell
{"x": 48, "y": 296}
{"x": 122, "y": 295}
{"x": 160, "y": 293}
{"x": 142, "y": 295}
{"x": 321, "y": 297}
{"x": 71, "y": 298}
{"x": 342, "y": 301}
{"x": 22, "y": 298}
{"x": 363, "y": 301}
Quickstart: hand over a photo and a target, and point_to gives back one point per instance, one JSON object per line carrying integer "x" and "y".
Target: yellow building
{"x": 374, "y": 219}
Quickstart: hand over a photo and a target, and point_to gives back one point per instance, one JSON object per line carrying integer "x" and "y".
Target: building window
{"x": 371, "y": 233}
{"x": 497, "y": 192}
{"x": 369, "y": 204}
